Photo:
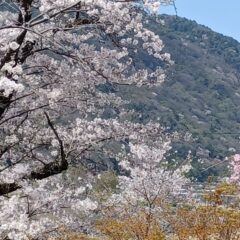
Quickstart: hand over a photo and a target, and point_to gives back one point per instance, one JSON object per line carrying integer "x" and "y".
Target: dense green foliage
{"x": 201, "y": 94}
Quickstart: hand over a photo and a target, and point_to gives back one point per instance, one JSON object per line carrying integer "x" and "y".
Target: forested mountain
{"x": 201, "y": 94}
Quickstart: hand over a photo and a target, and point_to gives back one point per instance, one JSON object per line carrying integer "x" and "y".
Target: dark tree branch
{"x": 53, "y": 167}
{"x": 6, "y": 188}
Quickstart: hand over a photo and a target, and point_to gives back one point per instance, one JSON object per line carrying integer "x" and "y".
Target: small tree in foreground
{"x": 136, "y": 211}
{"x": 235, "y": 175}
{"x": 218, "y": 218}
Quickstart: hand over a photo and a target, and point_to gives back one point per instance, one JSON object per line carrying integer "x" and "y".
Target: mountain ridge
{"x": 201, "y": 94}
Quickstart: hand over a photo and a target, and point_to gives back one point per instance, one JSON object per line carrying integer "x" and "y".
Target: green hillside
{"x": 201, "y": 94}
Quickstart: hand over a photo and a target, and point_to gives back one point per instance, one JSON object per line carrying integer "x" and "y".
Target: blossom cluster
{"x": 235, "y": 176}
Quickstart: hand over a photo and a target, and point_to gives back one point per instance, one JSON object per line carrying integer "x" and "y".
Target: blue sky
{"x": 221, "y": 16}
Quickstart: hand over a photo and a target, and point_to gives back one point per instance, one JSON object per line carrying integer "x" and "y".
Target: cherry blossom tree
{"x": 137, "y": 209}
{"x": 54, "y": 55}
{"x": 235, "y": 163}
